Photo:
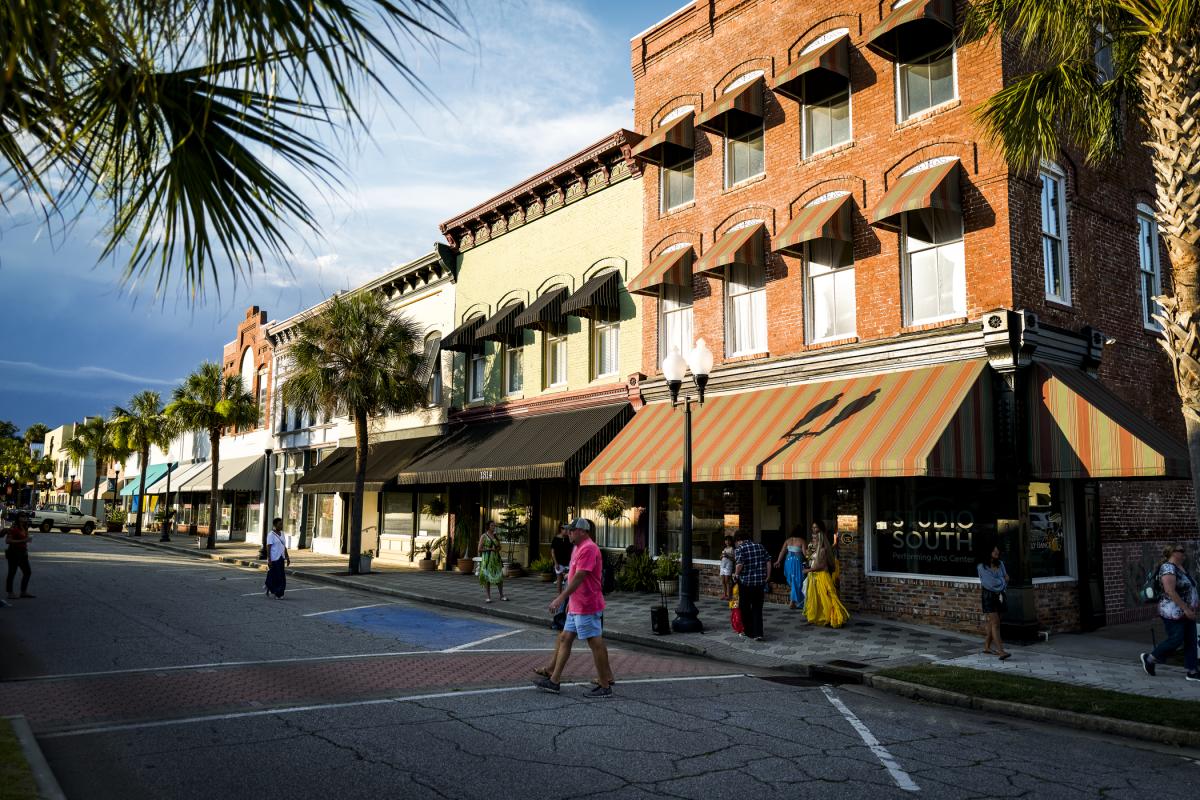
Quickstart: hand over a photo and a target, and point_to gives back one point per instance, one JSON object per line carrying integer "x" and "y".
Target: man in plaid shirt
{"x": 752, "y": 571}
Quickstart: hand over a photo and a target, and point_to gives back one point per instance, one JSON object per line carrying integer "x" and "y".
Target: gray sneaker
{"x": 599, "y": 692}
{"x": 547, "y": 685}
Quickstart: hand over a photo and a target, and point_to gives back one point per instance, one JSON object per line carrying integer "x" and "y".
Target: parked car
{"x": 63, "y": 517}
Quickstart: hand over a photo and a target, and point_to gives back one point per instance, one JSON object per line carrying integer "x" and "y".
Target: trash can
{"x": 660, "y": 620}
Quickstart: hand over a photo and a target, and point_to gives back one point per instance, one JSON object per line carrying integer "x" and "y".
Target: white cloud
{"x": 85, "y": 373}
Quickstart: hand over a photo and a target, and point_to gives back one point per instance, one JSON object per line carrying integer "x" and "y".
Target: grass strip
{"x": 16, "y": 778}
{"x": 1179, "y": 714}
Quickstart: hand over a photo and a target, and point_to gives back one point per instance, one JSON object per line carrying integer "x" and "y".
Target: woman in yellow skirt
{"x": 822, "y": 606}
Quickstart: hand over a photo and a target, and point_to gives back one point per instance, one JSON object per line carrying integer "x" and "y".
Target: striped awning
{"x": 598, "y": 297}
{"x": 1079, "y": 428}
{"x": 464, "y": 339}
{"x": 934, "y": 187}
{"x": 743, "y": 106}
{"x": 817, "y": 74}
{"x": 159, "y": 484}
{"x": 829, "y": 219}
{"x": 932, "y": 421}
{"x": 669, "y": 142}
{"x": 545, "y": 312}
{"x": 914, "y": 29}
{"x": 153, "y": 473}
{"x": 430, "y": 359}
{"x": 672, "y": 267}
{"x": 501, "y": 327}
{"x": 189, "y": 472}
{"x": 739, "y": 246}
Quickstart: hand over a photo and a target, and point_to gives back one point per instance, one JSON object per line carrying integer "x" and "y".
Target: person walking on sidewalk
{"x": 585, "y": 614}
{"x": 277, "y": 557}
{"x": 17, "y": 554}
{"x": 993, "y": 583}
{"x": 1177, "y": 606}
{"x": 822, "y": 606}
{"x": 793, "y": 567}
{"x": 491, "y": 571}
{"x": 752, "y": 570}
{"x": 560, "y": 548}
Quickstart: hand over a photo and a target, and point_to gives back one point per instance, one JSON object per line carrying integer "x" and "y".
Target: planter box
{"x": 668, "y": 589}
{"x": 465, "y": 566}
{"x": 427, "y": 564}
{"x": 545, "y": 577}
{"x": 513, "y": 571}
{"x": 364, "y": 565}
{"x": 113, "y": 527}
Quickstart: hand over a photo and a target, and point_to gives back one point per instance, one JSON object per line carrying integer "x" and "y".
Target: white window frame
{"x": 907, "y": 283}
{"x": 1145, "y": 214}
{"x": 804, "y": 124}
{"x": 549, "y": 342}
{"x": 810, "y": 296}
{"x": 737, "y": 82}
{"x": 512, "y": 353}
{"x": 663, "y": 204}
{"x": 1052, "y": 172}
{"x": 476, "y": 381}
{"x": 599, "y": 328}
{"x": 730, "y": 323}
{"x": 902, "y": 113}
{"x": 664, "y": 345}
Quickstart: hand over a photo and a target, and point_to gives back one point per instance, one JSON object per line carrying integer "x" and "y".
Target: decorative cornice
{"x": 590, "y": 170}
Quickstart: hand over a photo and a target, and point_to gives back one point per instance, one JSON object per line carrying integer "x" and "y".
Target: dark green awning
{"x": 545, "y": 312}
{"x": 555, "y": 445}
{"x": 335, "y": 473}
{"x": 501, "y": 327}
{"x": 463, "y": 339}
{"x": 599, "y": 296}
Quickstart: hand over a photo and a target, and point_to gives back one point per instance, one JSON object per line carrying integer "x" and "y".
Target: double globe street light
{"x": 674, "y": 366}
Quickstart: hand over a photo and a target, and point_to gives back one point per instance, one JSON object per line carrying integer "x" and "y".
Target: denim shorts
{"x": 585, "y": 626}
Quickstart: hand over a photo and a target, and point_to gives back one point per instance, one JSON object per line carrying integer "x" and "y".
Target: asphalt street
{"x": 147, "y": 675}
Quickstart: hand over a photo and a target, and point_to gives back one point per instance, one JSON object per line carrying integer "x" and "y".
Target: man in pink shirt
{"x": 585, "y": 613}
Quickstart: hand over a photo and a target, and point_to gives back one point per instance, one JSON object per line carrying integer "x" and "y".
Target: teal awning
{"x": 153, "y": 473}
{"x": 159, "y": 485}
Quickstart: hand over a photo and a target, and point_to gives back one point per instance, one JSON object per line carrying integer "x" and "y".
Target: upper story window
{"x": 514, "y": 374}
{"x": 675, "y": 318}
{"x": 607, "y": 346}
{"x": 555, "y": 357}
{"x": 261, "y": 383}
{"x": 925, "y": 82}
{"x": 677, "y": 178}
{"x": 744, "y": 157}
{"x": 433, "y": 392}
{"x": 1054, "y": 234}
{"x": 746, "y": 306}
{"x": 298, "y": 422}
{"x": 827, "y": 122}
{"x": 830, "y": 292}
{"x": 1149, "y": 265}
{"x": 934, "y": 265}
{"x": 477, "y": 374}
{"x": 1103, "y": 55}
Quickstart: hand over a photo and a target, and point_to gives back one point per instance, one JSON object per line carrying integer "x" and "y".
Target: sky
{"x": 535, "y": 81}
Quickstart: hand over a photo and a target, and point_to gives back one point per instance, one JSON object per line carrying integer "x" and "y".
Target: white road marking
{"x": 352, "y": 608}
{"x": 483, "y": 641}
{"x": 213, "y": 664}
{"x": 901, "y": 777}
{"x": 303, "y": 589}
{"x": 266, "y": 712}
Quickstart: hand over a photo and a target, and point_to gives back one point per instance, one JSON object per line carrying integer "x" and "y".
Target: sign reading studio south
{"x": 923, "y": 529}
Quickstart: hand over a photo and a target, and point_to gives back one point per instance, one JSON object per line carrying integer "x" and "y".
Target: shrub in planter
{"x": 543, "y": 568}
{"x": 666, "y": 572}
{"x": 636, "y": 573}
{"x": 115, "y": 520}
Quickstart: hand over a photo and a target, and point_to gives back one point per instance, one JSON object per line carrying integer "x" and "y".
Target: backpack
{"x": 1152, "y": 591}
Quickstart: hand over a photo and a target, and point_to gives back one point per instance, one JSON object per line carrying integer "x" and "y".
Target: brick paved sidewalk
{"x": 1105, "y": 660}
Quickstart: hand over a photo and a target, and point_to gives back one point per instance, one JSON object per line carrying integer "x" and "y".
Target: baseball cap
{"x": 582, "y": 524}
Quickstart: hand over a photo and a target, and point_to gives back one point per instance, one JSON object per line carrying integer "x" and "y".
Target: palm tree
{"x": 174, "y": 115}
{"x": 1104, "y": 67}
{"x": 355, "y": 359}
{"x": 96, "y": 439}
{"x": 143, "y": 426}
{"x": 34, "y": 434}
{"x": 209, "y": 401}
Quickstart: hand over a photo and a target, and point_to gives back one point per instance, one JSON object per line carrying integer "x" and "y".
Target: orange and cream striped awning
{"x": 744, "y": 106}
{"x": 931, "y": 421}
{"x": 668, "y": 141}
{"x": 829, "y": 219}
{"x": 914, "y": 29}
{"x": 669, "y": 267}
{"x": 933, "y": 187}
{"x": 739, "y": 246}
{"x": 820, "y": 72}
{"x": 1081, "y": 429}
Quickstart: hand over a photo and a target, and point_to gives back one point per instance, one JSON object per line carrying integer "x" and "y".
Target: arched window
{"x": 247, "y": 370}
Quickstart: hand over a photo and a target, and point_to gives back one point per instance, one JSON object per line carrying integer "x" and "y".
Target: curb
{"x": 1072, "y": 719}
{"x": 47, "y": 784}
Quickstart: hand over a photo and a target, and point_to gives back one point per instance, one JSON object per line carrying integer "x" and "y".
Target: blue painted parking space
{"x": 418, "y": 627}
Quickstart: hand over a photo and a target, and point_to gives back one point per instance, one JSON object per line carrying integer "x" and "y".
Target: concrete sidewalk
{"x": 1106, "y": 659}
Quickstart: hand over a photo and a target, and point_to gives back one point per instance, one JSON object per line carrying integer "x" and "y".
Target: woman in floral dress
{"x": 491, "y": 572}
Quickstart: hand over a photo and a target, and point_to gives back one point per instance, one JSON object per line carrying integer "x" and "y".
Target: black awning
{"x": 545, "y": 312}
{"x": 557, "y": 445}
{"x": 501, "y": 327}
{"x": 599, "y": 296}
{"x": 463, "y": 339}
{"x": 429, "y": 360}
{"x": 384, "y": 459}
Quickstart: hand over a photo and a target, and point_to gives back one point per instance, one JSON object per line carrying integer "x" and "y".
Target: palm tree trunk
{"x": 96, "y": 488}
{"x": 1171, "y": 89}
{"x": 360, "y": 478}
{"x": 214, "y": 500}
{"x": 145, "y": 459}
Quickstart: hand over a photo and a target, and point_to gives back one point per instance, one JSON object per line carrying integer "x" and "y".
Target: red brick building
{"x": 249, "y": 356}
{"x": 914, "y": 344}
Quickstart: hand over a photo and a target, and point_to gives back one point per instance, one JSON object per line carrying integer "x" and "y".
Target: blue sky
{"x": 537, "y": 81}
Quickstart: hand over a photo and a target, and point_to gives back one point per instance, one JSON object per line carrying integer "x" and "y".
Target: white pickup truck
{"x": 63, "y": 517}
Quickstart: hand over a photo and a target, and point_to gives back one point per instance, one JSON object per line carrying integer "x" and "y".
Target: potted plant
{"x": 512, "y": 531}
{"x": 436, "y": 507}
{"x": 543, "y": 568}
{"x": 429, "y": 563}
{"x": 364, "y": 561}
{"x": 666, "y": 573}
{"x": 636, "y": 573}
{"x": 115, "y": 520}
{"x": 462, "y": 545}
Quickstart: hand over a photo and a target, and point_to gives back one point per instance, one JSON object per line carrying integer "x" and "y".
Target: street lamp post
{"x": 700, "y": 360}
{"x": 49, "y": 485}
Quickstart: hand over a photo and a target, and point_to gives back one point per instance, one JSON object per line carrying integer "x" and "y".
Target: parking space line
{"x": 302, "y": 589}
{"x": 214, "y": 664}
{"x": 482, "y": 641}
{"x": 901, "y": 777}
{"x": 352, "y": 608}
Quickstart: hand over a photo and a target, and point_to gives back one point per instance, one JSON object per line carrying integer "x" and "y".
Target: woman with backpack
{"x": 993, "y": 582}
{"x": 1177, "y": 606}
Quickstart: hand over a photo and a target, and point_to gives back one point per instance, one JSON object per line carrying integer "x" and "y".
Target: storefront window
{"x": 324, "y": 521}
{"x": 429, "y": 524}
{"x": 1047, "y": 542}
{"x": 934, "y": 527}
{"x": 616, "y": 533}
{"x": 709, "y": 518}
{"x": 398, "y": 513}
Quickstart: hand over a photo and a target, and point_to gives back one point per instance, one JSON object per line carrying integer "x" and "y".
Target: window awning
{"x": 429, "y": 360}
{"x": 545, "y": 312}
{"x": 743, "y": 106}
{"x": 159, "y": 484}
{"x": 335, "y": 473}
{"x": 107, "y": 486}
{"x": 240, "y": 474}
{"x": 829, "y": 219}
{"x": 817, "y": 74}
{"x": 598, "y": 297}
{"x": 1079, "y": 428}
{"x": 739, "y": 246}
{"x": 932, "y": 421}
{"x": 463, "y": 339}
{"x": 196, "y": 479}
{"x": 672, "y": 267}
{"x": 934, "y": 187}
{"x": 501, "y": 327}
{"x": 914, "y": 29}
{"x": 153, "y": 473}
{"x": 554, "y": 445}
{"x": 669, "y": 142}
